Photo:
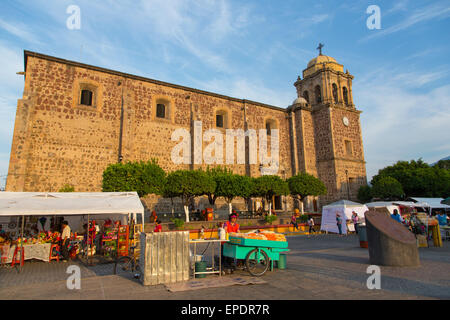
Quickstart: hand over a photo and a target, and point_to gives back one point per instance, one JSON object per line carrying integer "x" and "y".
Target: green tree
{"x": 418, "y": 178}
{"x": 230, "y": 186}
{"x": 215, "y": 173}
{"x": 143, "y": 177}
{"x": 303, "y": 184}
{"x": 443, "y": 164}
{"x": 365, "y": 193}
{"x": 387, "y": 188}
{"x": 67, "y": 188}
{"x": 189, "y": 184}
{"x": 269, "y": 186}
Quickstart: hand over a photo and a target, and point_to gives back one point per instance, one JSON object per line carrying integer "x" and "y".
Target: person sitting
{"x": 158, "y": 227}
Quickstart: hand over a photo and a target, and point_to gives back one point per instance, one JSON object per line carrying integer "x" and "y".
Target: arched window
{"x": 318, "y": 94}
{"x": 270, "y": 125}
{"x": 306, "y": 96}
{"x": 222, "y": 119}
{"x": 268, "y": 128}
{"x": 345, "y": 95}
{"x": 335, "y": 93}
{"x": 86, "y": 97}
{"x": 161, "y": 110}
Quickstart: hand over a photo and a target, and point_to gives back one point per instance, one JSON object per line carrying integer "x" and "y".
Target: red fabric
{"x": 158, "y": 228}
{"x": 230, "y": 228}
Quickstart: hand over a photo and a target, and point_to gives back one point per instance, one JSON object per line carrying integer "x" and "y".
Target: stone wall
{"x": 58, "y": 141}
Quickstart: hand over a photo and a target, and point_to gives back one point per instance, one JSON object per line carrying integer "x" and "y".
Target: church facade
{"x": 75, "y": 119}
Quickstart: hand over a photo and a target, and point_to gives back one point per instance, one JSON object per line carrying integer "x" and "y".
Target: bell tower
{"x": 328, "y": 140}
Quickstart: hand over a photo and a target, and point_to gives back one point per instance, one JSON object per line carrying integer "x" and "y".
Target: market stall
{"x": 382, "y": 204}
{"x": 31, "y": 221}
{"x": 344, "y": 208}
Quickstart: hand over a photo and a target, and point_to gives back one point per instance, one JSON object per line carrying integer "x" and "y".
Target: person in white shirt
{"x": 65, "y": 240}
{"x": 311, "y": 225}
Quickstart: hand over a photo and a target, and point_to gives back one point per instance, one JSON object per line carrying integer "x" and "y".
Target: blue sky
{"x": 255, "y": 50}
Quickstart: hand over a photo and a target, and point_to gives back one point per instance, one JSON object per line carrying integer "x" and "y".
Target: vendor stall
{"x": 31, "y": 222}
{"x": 344, "y": 208}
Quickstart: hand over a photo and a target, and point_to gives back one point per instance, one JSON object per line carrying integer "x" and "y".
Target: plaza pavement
{"x": 318, "y": 267}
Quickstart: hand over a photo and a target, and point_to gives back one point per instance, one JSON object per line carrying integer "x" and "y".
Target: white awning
{"x": 69, "y": 203}
{"x": 434, "y": 203}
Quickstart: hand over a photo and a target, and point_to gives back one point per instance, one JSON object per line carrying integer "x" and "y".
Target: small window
{"x": 160, "y": 110}
{"x": 348, "y": 148}
{"x": 345, "y": 94}
{"x": 335, "y": 93}
{"x": 318, "y": 94}
{"x": 219, "y": 120}
{"x": 86, "y": 97}
{"x": 306, "y": 96}
{"x": 268, "y": 128}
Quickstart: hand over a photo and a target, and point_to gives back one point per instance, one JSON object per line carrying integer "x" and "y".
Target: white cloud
{"x": 432, "y": 12}
{"x": 400, "y": 122}
{"x": 18, "y": 30}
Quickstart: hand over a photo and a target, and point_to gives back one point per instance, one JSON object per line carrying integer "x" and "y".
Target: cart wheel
{"x": 257, "y": 262}
{"x": 123, "y": 265}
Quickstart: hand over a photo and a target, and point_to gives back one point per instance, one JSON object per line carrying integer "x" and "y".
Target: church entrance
{"x": 277, "y": 204}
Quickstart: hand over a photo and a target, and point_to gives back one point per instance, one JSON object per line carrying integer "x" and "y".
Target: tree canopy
{"x": 189, "y": 184}
{"x": 418, "y": 179}
{"x": 143, "y": 177}
{"x": 365, "y": 193}
{"x": 269, "y": 186}
{"x": 304, "y": 184}
{"x": 387, "y": 188}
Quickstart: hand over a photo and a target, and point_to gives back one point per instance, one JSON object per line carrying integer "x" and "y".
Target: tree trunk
{"x": 186, "y": 211}
{"x": 230, "y": 208}
{"x": 270, "y": 208}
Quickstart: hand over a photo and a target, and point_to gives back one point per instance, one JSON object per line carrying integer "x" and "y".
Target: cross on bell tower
{"x": 320, "y": 48}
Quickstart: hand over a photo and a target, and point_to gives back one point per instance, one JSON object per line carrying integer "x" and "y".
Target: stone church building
{"x": 75, "y": 119}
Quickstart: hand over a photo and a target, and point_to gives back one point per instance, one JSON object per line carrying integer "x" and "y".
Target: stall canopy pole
{"x": 88, "y": 240}
{"x": 21, "y": 245}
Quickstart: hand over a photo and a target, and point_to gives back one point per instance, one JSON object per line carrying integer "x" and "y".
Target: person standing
{"x": 65, "y": 240}
{"x": 339, "y": 223}
{"x": 442, "y": 220}
{"x": 294, "y": 221}
{"x": 230, "y": 226}
{"x": 396, "y": 216}
{"x": 311, "y": 224}
{"x": 355, "y": 220}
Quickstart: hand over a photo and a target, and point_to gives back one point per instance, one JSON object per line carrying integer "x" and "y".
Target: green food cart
{"x": 259, "y": 255}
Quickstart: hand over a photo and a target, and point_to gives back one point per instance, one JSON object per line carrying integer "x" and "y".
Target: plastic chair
{"x": 54, "y": 257}
{"x": 18, "y": 250}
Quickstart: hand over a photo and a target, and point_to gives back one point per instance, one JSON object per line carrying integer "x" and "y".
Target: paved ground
{"x": 318, "y": 267}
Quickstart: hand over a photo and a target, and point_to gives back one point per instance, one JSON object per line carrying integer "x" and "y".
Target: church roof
{"x": 321, "y": 62}
{"x": 140, "y": 78}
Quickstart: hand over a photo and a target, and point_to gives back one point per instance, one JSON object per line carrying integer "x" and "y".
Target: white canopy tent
{"x": 433, "y": 203}
{"x": 381, "y": 204}
{"x": 71, "y": 204}
{"x": 345, "y": 209}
